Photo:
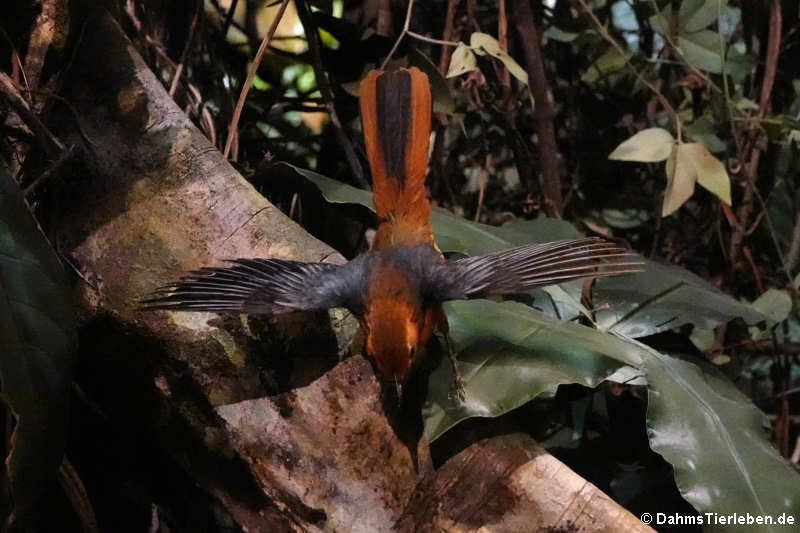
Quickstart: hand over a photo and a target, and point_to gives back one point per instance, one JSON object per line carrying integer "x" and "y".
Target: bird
{"x": 396, "y": 289}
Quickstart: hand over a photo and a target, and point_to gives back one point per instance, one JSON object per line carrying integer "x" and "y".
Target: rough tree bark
{"x": 261, "y": 413}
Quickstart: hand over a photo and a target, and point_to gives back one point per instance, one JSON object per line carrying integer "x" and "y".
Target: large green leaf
{"x": 509, "y": 354}
{"x": 664, "y": 297}
{"x": 717, "y": 442}
{"x": 37, "y": 333}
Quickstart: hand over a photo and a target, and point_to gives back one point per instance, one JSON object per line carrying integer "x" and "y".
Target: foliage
{"x": 37, "y": 332}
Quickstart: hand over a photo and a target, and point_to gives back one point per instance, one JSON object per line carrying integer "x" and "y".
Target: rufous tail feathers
{"x": 396, "y": 117}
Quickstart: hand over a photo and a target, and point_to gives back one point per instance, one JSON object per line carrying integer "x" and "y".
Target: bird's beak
{"x": 399, "y": 389}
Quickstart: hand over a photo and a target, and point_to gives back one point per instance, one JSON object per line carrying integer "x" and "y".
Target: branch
{"x": 745, "y": 210}
{"x": 51, "y": 145}
{"x": 447, "y": 35}
{"x": 549, "y": 155}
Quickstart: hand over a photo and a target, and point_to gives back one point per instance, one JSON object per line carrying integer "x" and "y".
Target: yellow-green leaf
{"x": 647, "y": 146}
{"x": 711, "y": 173}
{"x": 702, "y": 338}
{"x": 681, "y": 176}
{"x": 775, "y": 304}
{"x": 611, "y": 61}
{"x": 483, "y": 43}
{"x": 462, "y": 61}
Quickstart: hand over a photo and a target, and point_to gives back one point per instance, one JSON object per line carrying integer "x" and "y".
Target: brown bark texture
{"x": 263, "y": 413}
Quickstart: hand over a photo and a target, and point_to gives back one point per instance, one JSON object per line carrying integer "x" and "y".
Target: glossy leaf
{"x": 37, "y": 333}
{"x": 509, "y": 354}
{"x": 718, "y": 443}
{"x": 664, "y": 297}
{"x": 647, "y": 146}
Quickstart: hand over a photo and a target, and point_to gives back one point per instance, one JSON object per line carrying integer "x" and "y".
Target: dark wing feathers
{"x": 266, "y": 286}
{"x": 261, "y": 286}
{"x": 520, "y": 268}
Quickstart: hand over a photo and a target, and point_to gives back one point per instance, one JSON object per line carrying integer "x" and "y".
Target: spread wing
{"x": 511, "y": 271}
{"x": 262, "y": 286}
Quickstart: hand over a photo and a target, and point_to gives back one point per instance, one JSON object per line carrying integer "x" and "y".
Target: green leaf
{"x": 711, "y": 173}
{"x": 681, "y": 177}
{"x": 624, "y": 218}
{"x": 37, "y": 333}
{"x": 702, "y": 338}
{"x": 661, "y": 298}
{"x": 559, "y": 35}
{"x": 717, "y": 442}
{"x": 611, "y": 61}
{"x": 702, "y": 49}
{"x": 509, "y": 354}
{"x": 482, "y": 42}
{"x": 775, "y": 304}
{"x": 452, "y": 233}
{"x": 703, "y": 130}
{"x": 440, "y": 91}
{"x": 647, "y": 146}
{"x": 462, "y": 61}
{"x": 660, "y": 22}
{"x": 695, "y": 15}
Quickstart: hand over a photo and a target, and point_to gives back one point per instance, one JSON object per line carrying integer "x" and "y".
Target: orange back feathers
{"x": 396, "y": 117}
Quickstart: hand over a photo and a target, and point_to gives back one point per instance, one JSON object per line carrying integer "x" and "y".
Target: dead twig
{"x": 229, "y": 18}
{"x": 248, "y": 82}
{"x": 184, "y": 54}
{"x": 51, "y": 145}
{"x": 74, "y": 489}
{"x": 502, "y": 39}
{"x": 793, "y": 255}
{"x": 447, "y": 35}
{"x": 51, "y": 171}
{"x": 756, "y": 146}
